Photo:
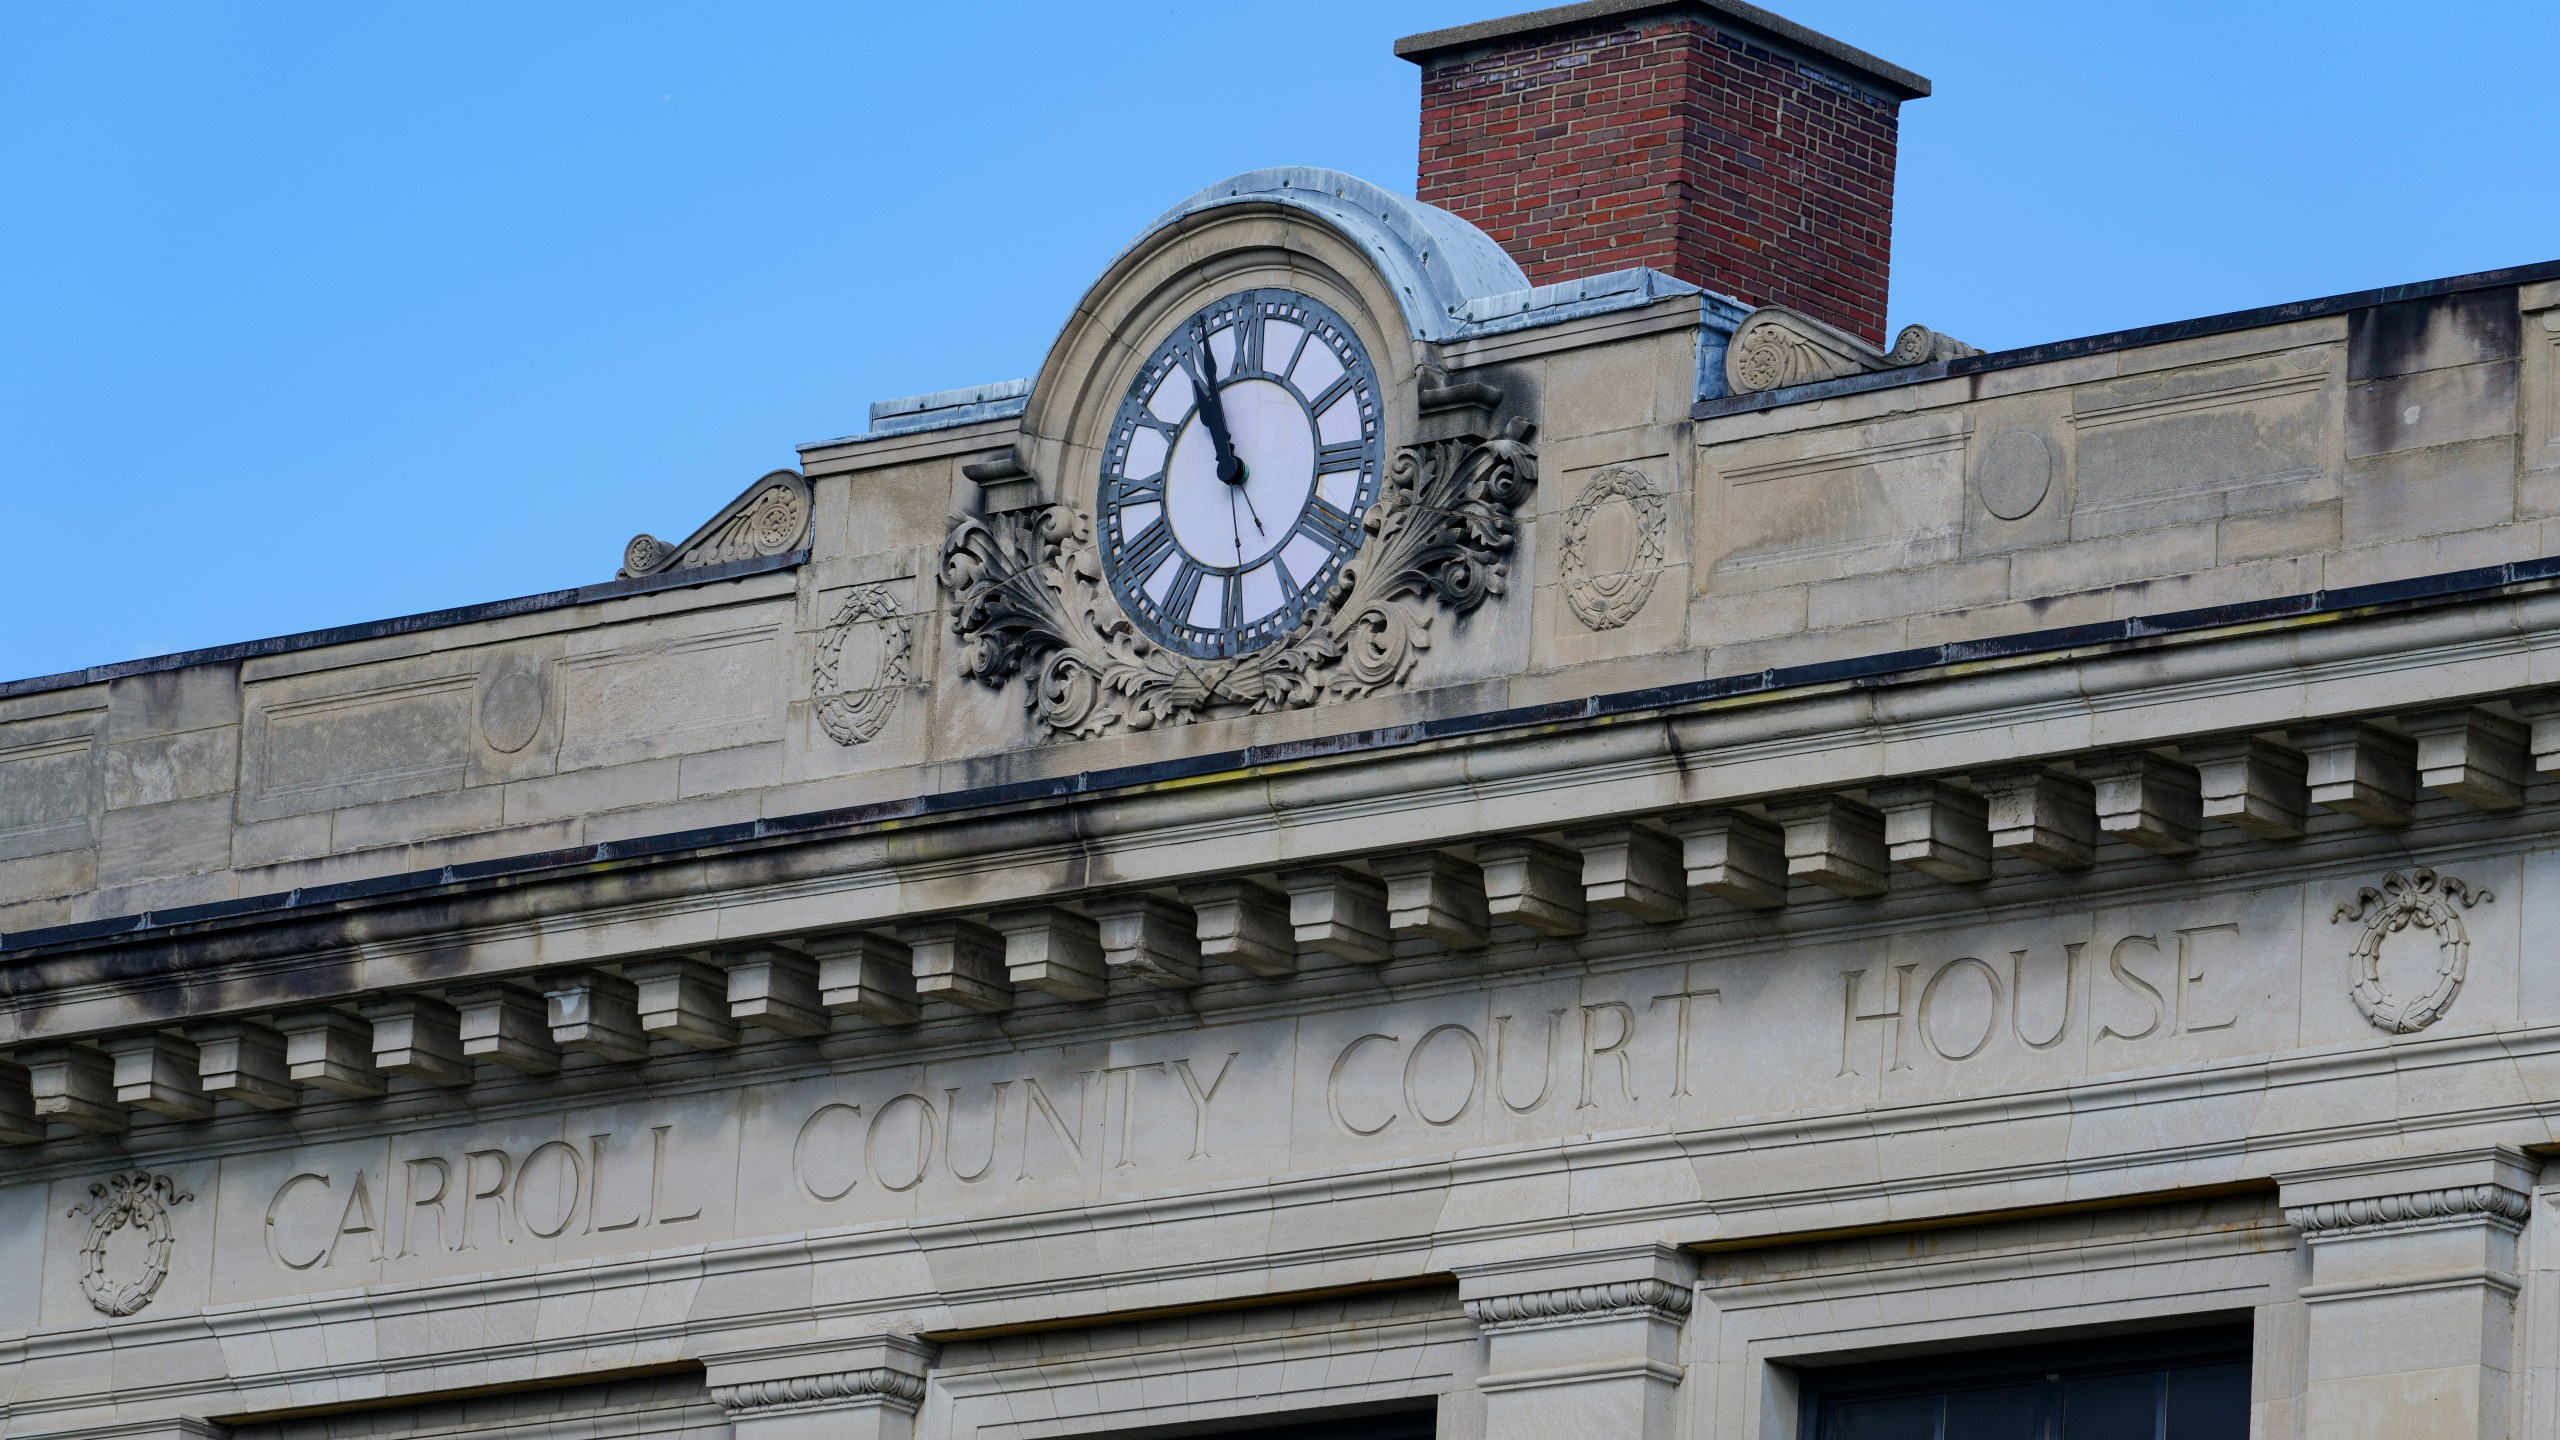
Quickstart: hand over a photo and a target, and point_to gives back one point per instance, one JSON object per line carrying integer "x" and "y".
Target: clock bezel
{"x": 1338, "y": 531}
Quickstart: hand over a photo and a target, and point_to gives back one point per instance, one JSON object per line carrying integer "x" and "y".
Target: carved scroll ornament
{"x": 771, "y": 518}
{"x": 1029, "y": 597}
{"x": 1775, "y": 347}
{"x": 136, "y": 1198}
{"x": 2425, "y": 901}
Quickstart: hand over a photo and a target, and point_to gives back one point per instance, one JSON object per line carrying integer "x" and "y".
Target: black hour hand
{"x": 1213, "y": 412}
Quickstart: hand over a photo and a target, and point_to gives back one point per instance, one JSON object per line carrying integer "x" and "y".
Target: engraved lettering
{"x": 1680, "y": 1000}
{"x": 995, "y": 1132}
{"x": 354, "y": 1218}
{"x": 657, "y": 1179}
{"x": 409, "y": 1226}
{"x": 572, "y": 1168}
{"x": 1475, "y": 1074}
{"x": 473, "y": 1194}
{"x": 595, "y": 1175}
{"x": 799, "y": 1163}
{"x": 1614, "y": 1050}
{"x": 1333, "y": 1086}
{"x": 2133, "y": 982}
{"x": 928, "y": 1131}
{"x": 1966, "y": 964}
{"x": 1070, "y": 1136}
{"x": 276, "y": 1205}
{"x": 1200, "y": 1099}
{"x": 2191, "y": 974}
{"x": 1546, "y": 1069}
{"x": 2071, "y": 953}
{"x": 1851, "y": 1017}
{"x": 1128, "y": 1106}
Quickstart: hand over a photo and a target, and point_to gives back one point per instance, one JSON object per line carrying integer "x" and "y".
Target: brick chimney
{"x": 1708, "y": 138}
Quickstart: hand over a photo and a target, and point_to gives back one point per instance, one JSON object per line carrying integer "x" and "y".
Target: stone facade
{"x": 1979, "y": 852}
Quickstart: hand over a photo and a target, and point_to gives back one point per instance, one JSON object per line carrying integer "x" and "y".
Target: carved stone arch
{"x": 1394, "y": 268}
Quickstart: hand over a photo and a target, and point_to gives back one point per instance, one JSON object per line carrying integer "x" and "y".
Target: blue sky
{"x": 312, "y": 314}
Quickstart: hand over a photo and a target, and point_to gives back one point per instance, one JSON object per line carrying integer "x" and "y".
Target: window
{"x": 2191, "y": 1386}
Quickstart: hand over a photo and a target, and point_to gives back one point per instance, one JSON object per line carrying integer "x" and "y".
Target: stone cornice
{"x": 879, "y": 1385}
{"x": 1580, "y": 1304}
{"x": 2415, "y": 1210}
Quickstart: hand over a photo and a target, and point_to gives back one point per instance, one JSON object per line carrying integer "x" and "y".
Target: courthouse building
{"x": 1492, "y": 816}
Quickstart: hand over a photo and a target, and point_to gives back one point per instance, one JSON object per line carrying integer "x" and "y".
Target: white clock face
{"x": 1237, "y": 472}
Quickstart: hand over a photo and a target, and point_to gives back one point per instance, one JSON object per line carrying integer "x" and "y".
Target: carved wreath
{"x": 1028, "y": 596}
{"x": 2425, "y": 901}
{"x": 140, "y": 1199}
{"x": 852, "y": 716}
{"x": 1608, "y": 599}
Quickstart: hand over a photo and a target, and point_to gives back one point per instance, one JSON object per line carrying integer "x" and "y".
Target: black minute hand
{"x": 1213, "y": 413}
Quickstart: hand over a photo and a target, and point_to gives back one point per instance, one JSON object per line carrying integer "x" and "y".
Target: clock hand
{"x": 1213, "y": 412}
{"x": 1248, "y": 509}
{"x": 1232, "y": 526}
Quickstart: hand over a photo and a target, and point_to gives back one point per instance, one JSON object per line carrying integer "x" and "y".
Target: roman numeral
{"x": 1140, "y": 554}
{"x": 1329, "y": 527}
{"x": 1345, "y": 456}
{"x": 1186, "y": 587}
{"x": 1134, "y": 491}
{"x": 1332, "y": 392}
{"x": 1249, "y": 340}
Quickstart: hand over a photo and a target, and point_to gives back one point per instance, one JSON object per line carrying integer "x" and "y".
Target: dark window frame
{"x": 2048, "y": 1366}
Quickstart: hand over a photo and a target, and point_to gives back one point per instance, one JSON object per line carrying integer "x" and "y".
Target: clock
{"x": 1237, "y": 472}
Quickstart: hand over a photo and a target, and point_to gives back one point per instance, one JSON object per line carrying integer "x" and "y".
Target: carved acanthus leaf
{"x": 1029, "y": 598}
{"x": 770, "y": 518}
{"x": 879, "y": 1385}
{"x": 2455, "y": 1204}
{"x": 1660, "y": 1298}
{"x": 1775, "y": 347}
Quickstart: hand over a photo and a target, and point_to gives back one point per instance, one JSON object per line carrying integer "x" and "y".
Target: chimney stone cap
{"x": 1860, "y": 66}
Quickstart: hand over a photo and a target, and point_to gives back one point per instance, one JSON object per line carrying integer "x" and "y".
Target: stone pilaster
{"x": 866, "y": 1388}
{"x": 2414, "y": 1273}
{"x": 1586, "y": 1344}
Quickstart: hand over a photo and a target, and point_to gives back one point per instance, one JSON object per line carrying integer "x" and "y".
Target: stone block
{"x": 1339, "y": 912}
{"x": 2147, "y": 800}
{"x": 505, "y": 1025}
{"x": 164, "y": 768}
{"x": 76, "y": 1085}
{"x": 157, "y": 1072}
{"x": 2436, "y": 332}
{"x": 1632, "y": 870}
{"x": 2438, "y": 491}
{"x": 777, "y": 990}
{"x": 2360, "y": 770}
{"x": 2541, "y": 711}
{"x": 1435, "y": 896}
{"x": 1244, "y": 924}
{"x": 418, "y": 1036}
{"x": 2253, "y": 785}
{"x": 2471, "y": 755}
{"x": 330, "y": 1050}
{"x": 2041, "y": 814}
{"x": 868, "y": 975}
{"x": 1732, "y": 855}
{"x": 684, "y": 999}
{"x": 1056, "y": 952}
{"x": 243, "y": 1060}
{"x": 960, "y": 963}
{"x": 1834, "y": 842}
{"x": 1941, "y": 830}
{"x": 19, "y": 1124}
{"x": 1534, "y": 885}
{"x": 596, "y": 1013}
{"x": 2431, "y": 407}
{"x": 1149, "y": 938}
